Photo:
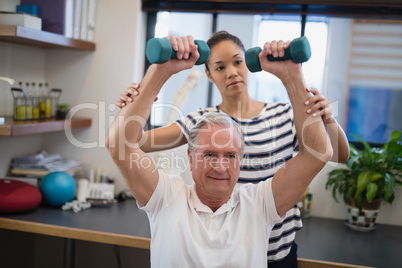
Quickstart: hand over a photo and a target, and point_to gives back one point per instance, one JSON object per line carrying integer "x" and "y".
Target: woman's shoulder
{"x": 277, "y": 107}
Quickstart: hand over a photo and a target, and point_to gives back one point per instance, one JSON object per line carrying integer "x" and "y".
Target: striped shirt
{"x": 270, "y": 138}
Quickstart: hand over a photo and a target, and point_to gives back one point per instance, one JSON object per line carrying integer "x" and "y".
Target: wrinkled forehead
{"x": 216, "y": 137}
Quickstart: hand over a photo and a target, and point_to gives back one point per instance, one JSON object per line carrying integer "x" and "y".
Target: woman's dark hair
{"x": 220, "y": 36}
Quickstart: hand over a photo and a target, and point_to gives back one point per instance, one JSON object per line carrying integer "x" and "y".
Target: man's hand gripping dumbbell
{"x": 159, "y": 50}
{"x": 299, "y": 51}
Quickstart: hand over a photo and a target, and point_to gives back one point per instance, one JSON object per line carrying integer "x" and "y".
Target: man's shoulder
{"x": 171, "y": 178}
{"x": 251, "y": 188}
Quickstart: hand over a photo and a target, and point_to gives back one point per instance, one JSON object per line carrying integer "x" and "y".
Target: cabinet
{"x": 31, "y": 37}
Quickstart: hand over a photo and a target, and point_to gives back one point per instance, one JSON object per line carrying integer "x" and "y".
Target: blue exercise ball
{"x": 57, "y": 188}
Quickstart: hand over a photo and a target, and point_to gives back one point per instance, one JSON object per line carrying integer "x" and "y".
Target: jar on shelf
{"x": 54, "y": 95}
{"x": 20, "y": 104}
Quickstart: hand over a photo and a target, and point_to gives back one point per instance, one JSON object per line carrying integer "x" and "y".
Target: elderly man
{"x": 214, "y": 223}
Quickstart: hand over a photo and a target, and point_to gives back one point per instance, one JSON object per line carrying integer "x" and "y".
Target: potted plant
{"x": 369, "y": 179}
{"x": 62, "y": 111}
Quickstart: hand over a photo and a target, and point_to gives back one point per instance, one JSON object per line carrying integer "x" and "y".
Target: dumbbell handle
{"x": 299, "y": 51}
{"x": 159, "y": 50}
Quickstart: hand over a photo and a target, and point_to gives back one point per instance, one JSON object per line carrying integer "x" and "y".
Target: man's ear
{"x": 209, "y": 75}
{"x": 190, "y": 159}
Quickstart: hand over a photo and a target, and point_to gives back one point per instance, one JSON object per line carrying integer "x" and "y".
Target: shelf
{"x": 18, "y": 128}
{"x": 32, "y": 37}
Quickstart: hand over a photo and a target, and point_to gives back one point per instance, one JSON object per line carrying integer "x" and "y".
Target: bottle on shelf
{"x": 48, "y": 102}
{"x": 28, "y": 93}
{"x": 42, "y": 101}
{"x": 20, "y": 103}
{"x": 35, "y": 101}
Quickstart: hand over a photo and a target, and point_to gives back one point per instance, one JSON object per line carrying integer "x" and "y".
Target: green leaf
{"x": 358, "y": 203}
{"x": 376, "y": 176}
{"x": 349, "y": 193}
{"x": 366, "y": 145}
{"x": 389, "y": 186}
{"x": 352, "y": 160}
{"x": 394, "y": 146}
{"x": 393, "y": 141}
{"x": 372, "y": 189}
{"x": 338, "y": 172}
{"x": 353, "y": 150}
{"x": 363, "y": 180}
{"x": 395, "y": 135}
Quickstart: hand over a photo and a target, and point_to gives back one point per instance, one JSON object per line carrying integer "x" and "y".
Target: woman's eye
{"x": 220, "y": 68}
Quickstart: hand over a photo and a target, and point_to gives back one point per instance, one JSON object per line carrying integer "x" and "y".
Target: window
{"x": 374, "y": 88}
{"x": 269, "y": 87}
{"x": 175, "y": 99}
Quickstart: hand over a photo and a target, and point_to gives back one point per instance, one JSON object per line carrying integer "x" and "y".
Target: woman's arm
{"x": 163, "y": 138}
{"x": 335, "y": 132}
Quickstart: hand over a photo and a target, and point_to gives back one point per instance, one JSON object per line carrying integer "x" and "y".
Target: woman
{"x": 269, "y": 132}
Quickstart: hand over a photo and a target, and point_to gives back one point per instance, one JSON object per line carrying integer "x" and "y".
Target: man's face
{"x": 215, "y": 164}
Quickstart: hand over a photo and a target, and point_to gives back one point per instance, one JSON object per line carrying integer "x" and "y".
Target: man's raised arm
{"x": 292, "y": 179}
{"x": 124, "y": 135}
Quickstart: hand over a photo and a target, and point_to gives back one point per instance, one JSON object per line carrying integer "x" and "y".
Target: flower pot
{"x": 363, "y": 220}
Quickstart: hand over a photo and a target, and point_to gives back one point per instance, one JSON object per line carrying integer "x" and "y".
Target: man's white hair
{"x": 214, "y": 119}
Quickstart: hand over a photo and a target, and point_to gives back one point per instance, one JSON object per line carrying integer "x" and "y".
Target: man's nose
{"x": 220, "y": 164}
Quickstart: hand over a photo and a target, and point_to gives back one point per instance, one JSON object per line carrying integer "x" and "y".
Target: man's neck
{"x": 214, "y": 203}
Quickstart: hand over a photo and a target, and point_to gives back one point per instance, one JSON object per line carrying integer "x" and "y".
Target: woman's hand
{"x": 127, "y": 96}
{"x": 321, "y": 106}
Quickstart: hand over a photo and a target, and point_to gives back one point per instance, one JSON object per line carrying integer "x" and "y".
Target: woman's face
{"x": 227, "y": 69}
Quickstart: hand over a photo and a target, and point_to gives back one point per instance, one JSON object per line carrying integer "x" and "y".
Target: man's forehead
{"x": 219, "y": 137}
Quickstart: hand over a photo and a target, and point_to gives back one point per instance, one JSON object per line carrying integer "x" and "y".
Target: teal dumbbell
{"x": 159, "y": 50}
{"x": 299, "y": 51}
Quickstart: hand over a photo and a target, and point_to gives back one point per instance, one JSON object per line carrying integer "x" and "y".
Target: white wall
{"x": 97, "y": 78}
{"x": 91, "y": 78}
{"x": 22, "y": 64}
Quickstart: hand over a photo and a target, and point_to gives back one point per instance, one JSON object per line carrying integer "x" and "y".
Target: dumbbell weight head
{"x": 204, "y": 51}
{"x": 252, "y": 60}
{"x": 299, "y": 51}
{"x": 159, "y": 50}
